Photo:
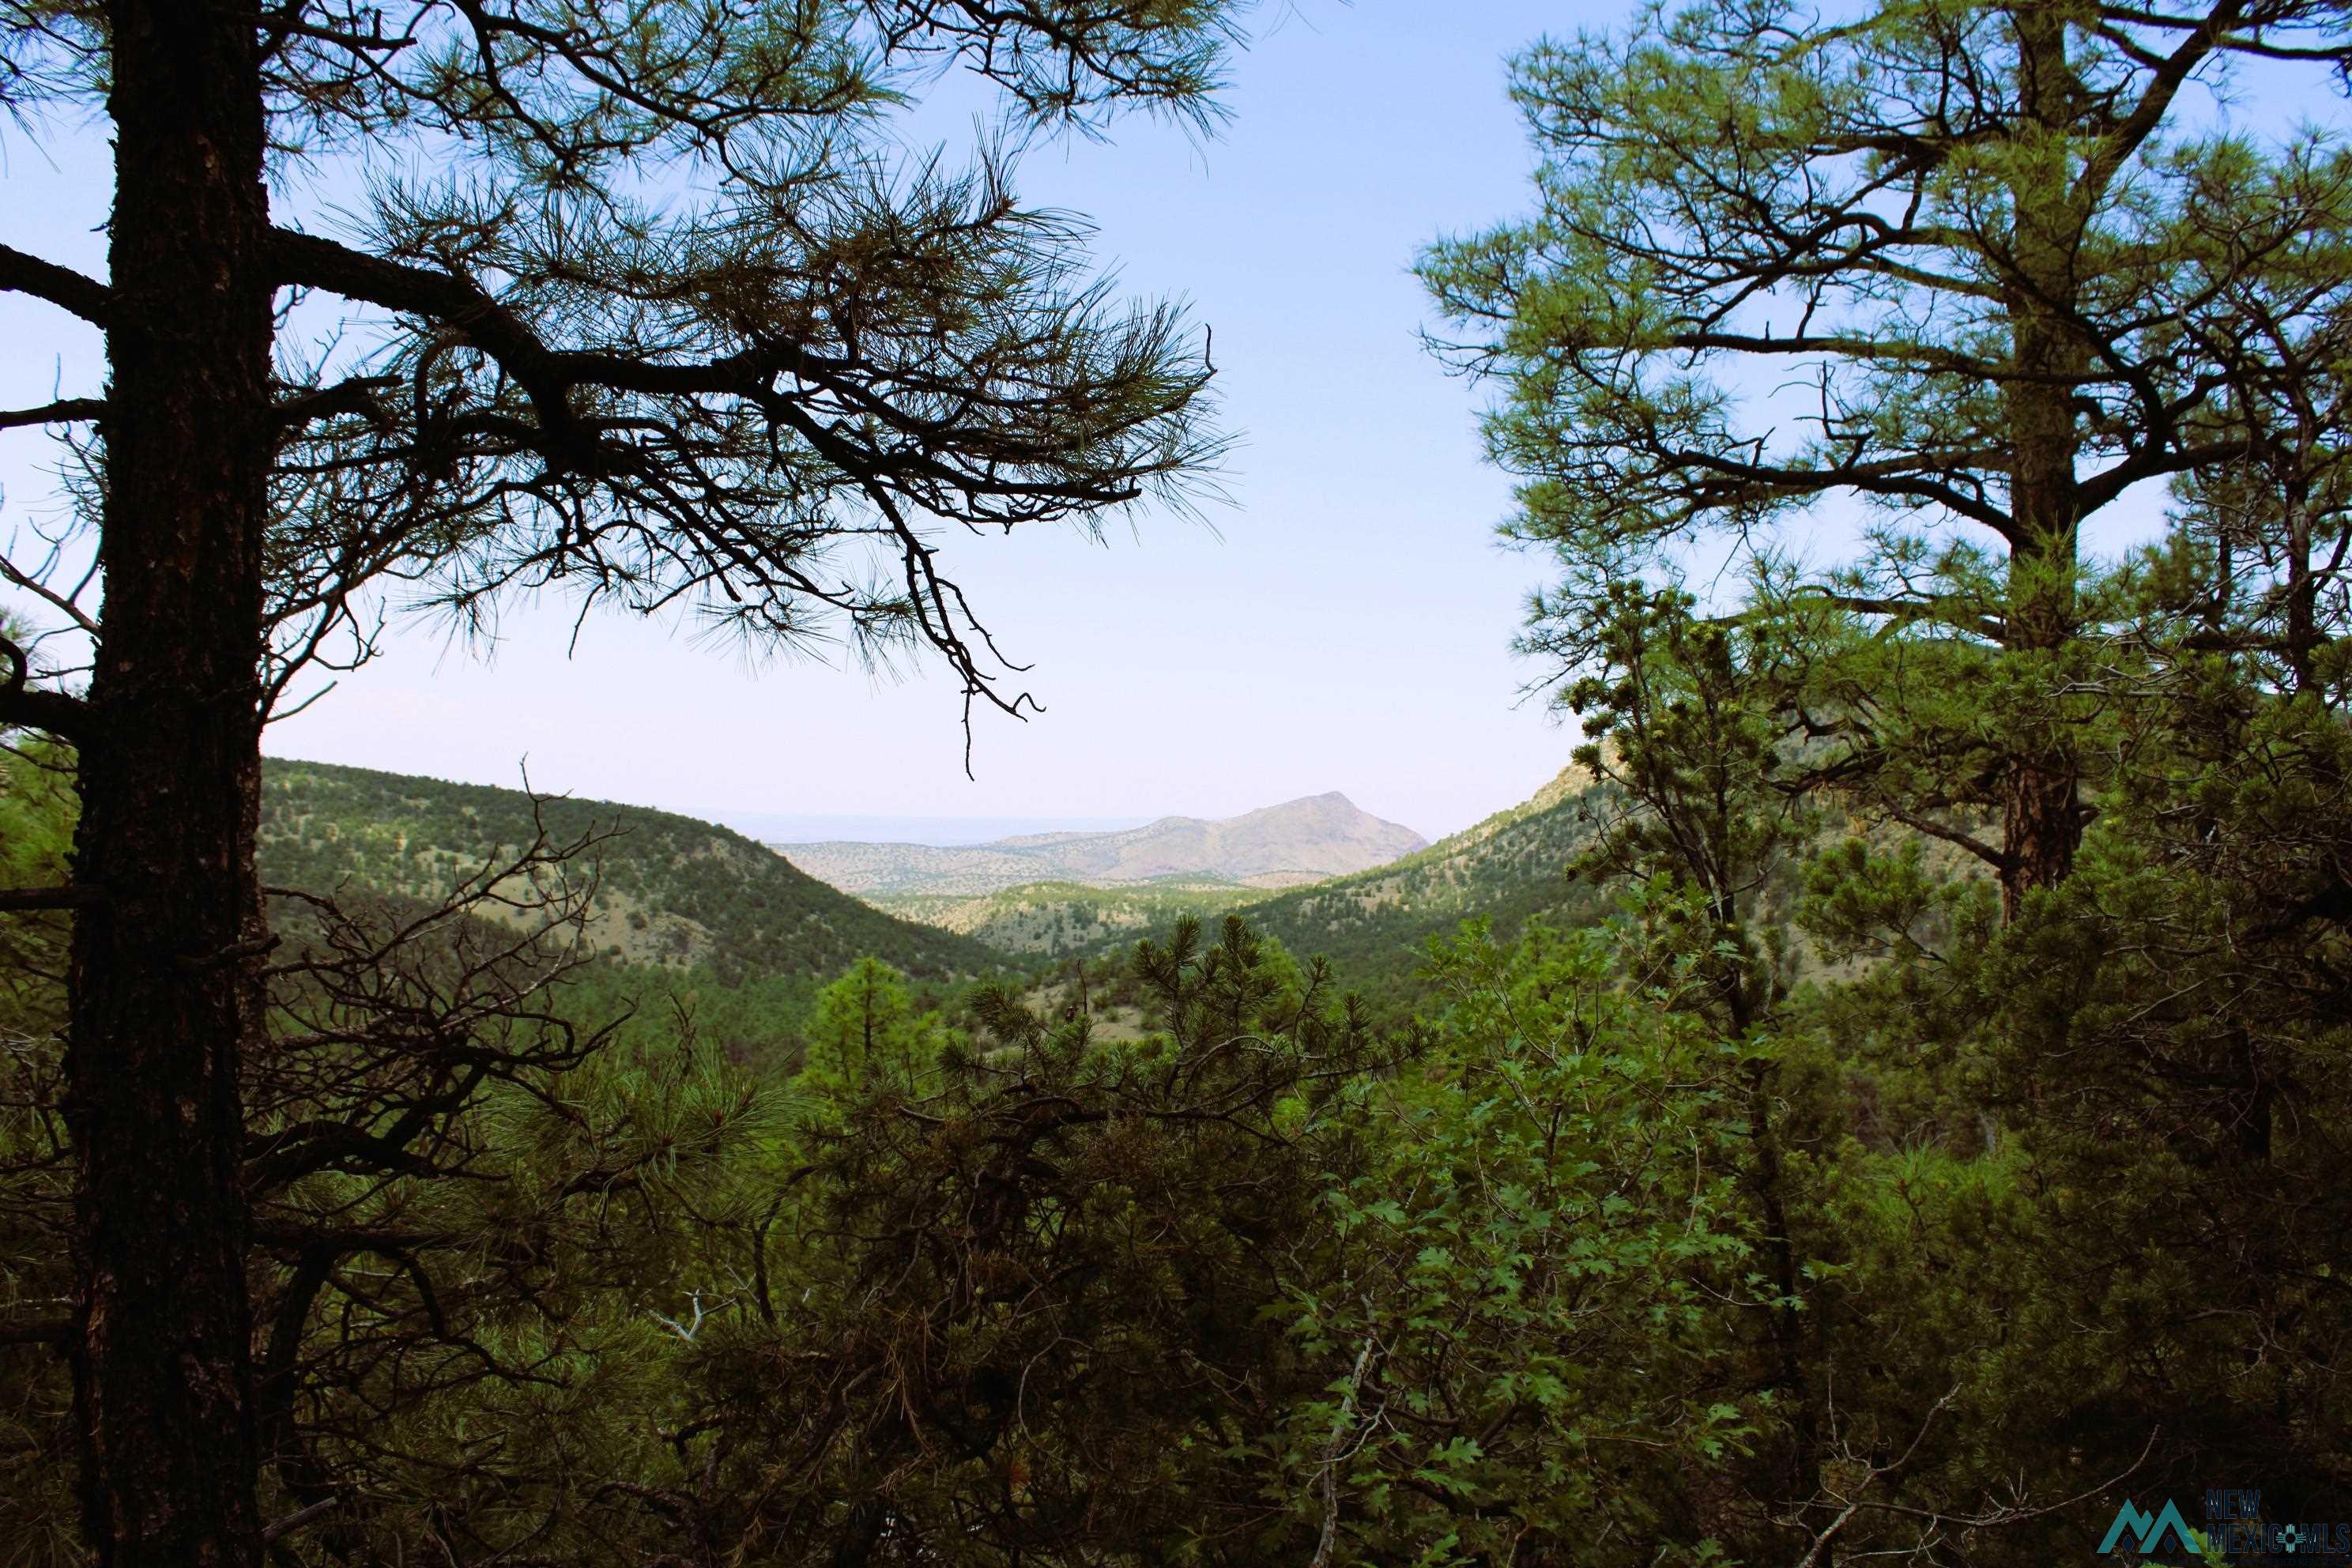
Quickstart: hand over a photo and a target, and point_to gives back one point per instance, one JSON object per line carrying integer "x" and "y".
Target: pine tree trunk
{"x": 164, "y": 988}
{"x": 2042, "y": 827}
{"x": 2042, "y": 818}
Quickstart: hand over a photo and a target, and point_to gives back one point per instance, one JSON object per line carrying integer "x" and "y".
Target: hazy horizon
{"x": 934, "y": 832}
{"x": 941, "y": 832}
{"x": 787, "y": 829}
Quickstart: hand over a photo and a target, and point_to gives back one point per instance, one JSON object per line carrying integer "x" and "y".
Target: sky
{"x": 1343, "y": 622}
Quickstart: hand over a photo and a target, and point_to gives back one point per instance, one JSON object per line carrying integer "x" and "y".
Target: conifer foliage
{"x": 1978, "y": 272}
{"x": 633, "y": 305}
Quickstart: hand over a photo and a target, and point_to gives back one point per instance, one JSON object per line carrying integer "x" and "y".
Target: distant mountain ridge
{"x": 1375, "y": 925}
{"x": 1372, "y": 923}
{"x": 1300, "y": 841}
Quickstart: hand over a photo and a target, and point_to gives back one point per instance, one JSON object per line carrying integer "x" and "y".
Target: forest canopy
{"x": 1893, "y": 1108}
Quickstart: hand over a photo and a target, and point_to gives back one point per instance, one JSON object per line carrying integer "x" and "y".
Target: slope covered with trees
{"x": 668, "y": 890}
{"x": 1507, "y": 869}
{"x": 1051, "y": 919}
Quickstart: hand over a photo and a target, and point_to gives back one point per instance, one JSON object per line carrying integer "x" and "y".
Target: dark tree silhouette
{"x": 660, "y": 326}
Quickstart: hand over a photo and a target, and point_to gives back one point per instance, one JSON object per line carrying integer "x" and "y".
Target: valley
{"x": 1374, "y": 921}
{"x": 680, "y": 895}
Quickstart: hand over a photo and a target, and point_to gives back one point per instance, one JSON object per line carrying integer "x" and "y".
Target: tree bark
{"x": 2042, "y": 827}
{"x": 165, "y": 963}
{"x": 2042, "y": 818}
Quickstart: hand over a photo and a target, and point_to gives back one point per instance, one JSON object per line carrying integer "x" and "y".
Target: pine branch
{"x": 60, "y": 286}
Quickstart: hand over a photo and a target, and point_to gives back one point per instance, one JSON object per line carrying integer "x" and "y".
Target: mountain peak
{"x": 1329, "y": 804}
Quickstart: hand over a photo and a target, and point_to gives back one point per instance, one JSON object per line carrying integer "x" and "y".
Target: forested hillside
{"x": 670, "y": 890}
{"x": 1375, "y": 925}
{"x": 1051, "y": 919}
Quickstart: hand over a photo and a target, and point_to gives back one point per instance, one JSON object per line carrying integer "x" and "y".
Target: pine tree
{"x": 665, "y": 327}
{"x": 1975, "y": 269}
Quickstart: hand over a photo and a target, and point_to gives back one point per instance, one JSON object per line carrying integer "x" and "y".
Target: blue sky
{"x": 1344, "y": 624}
